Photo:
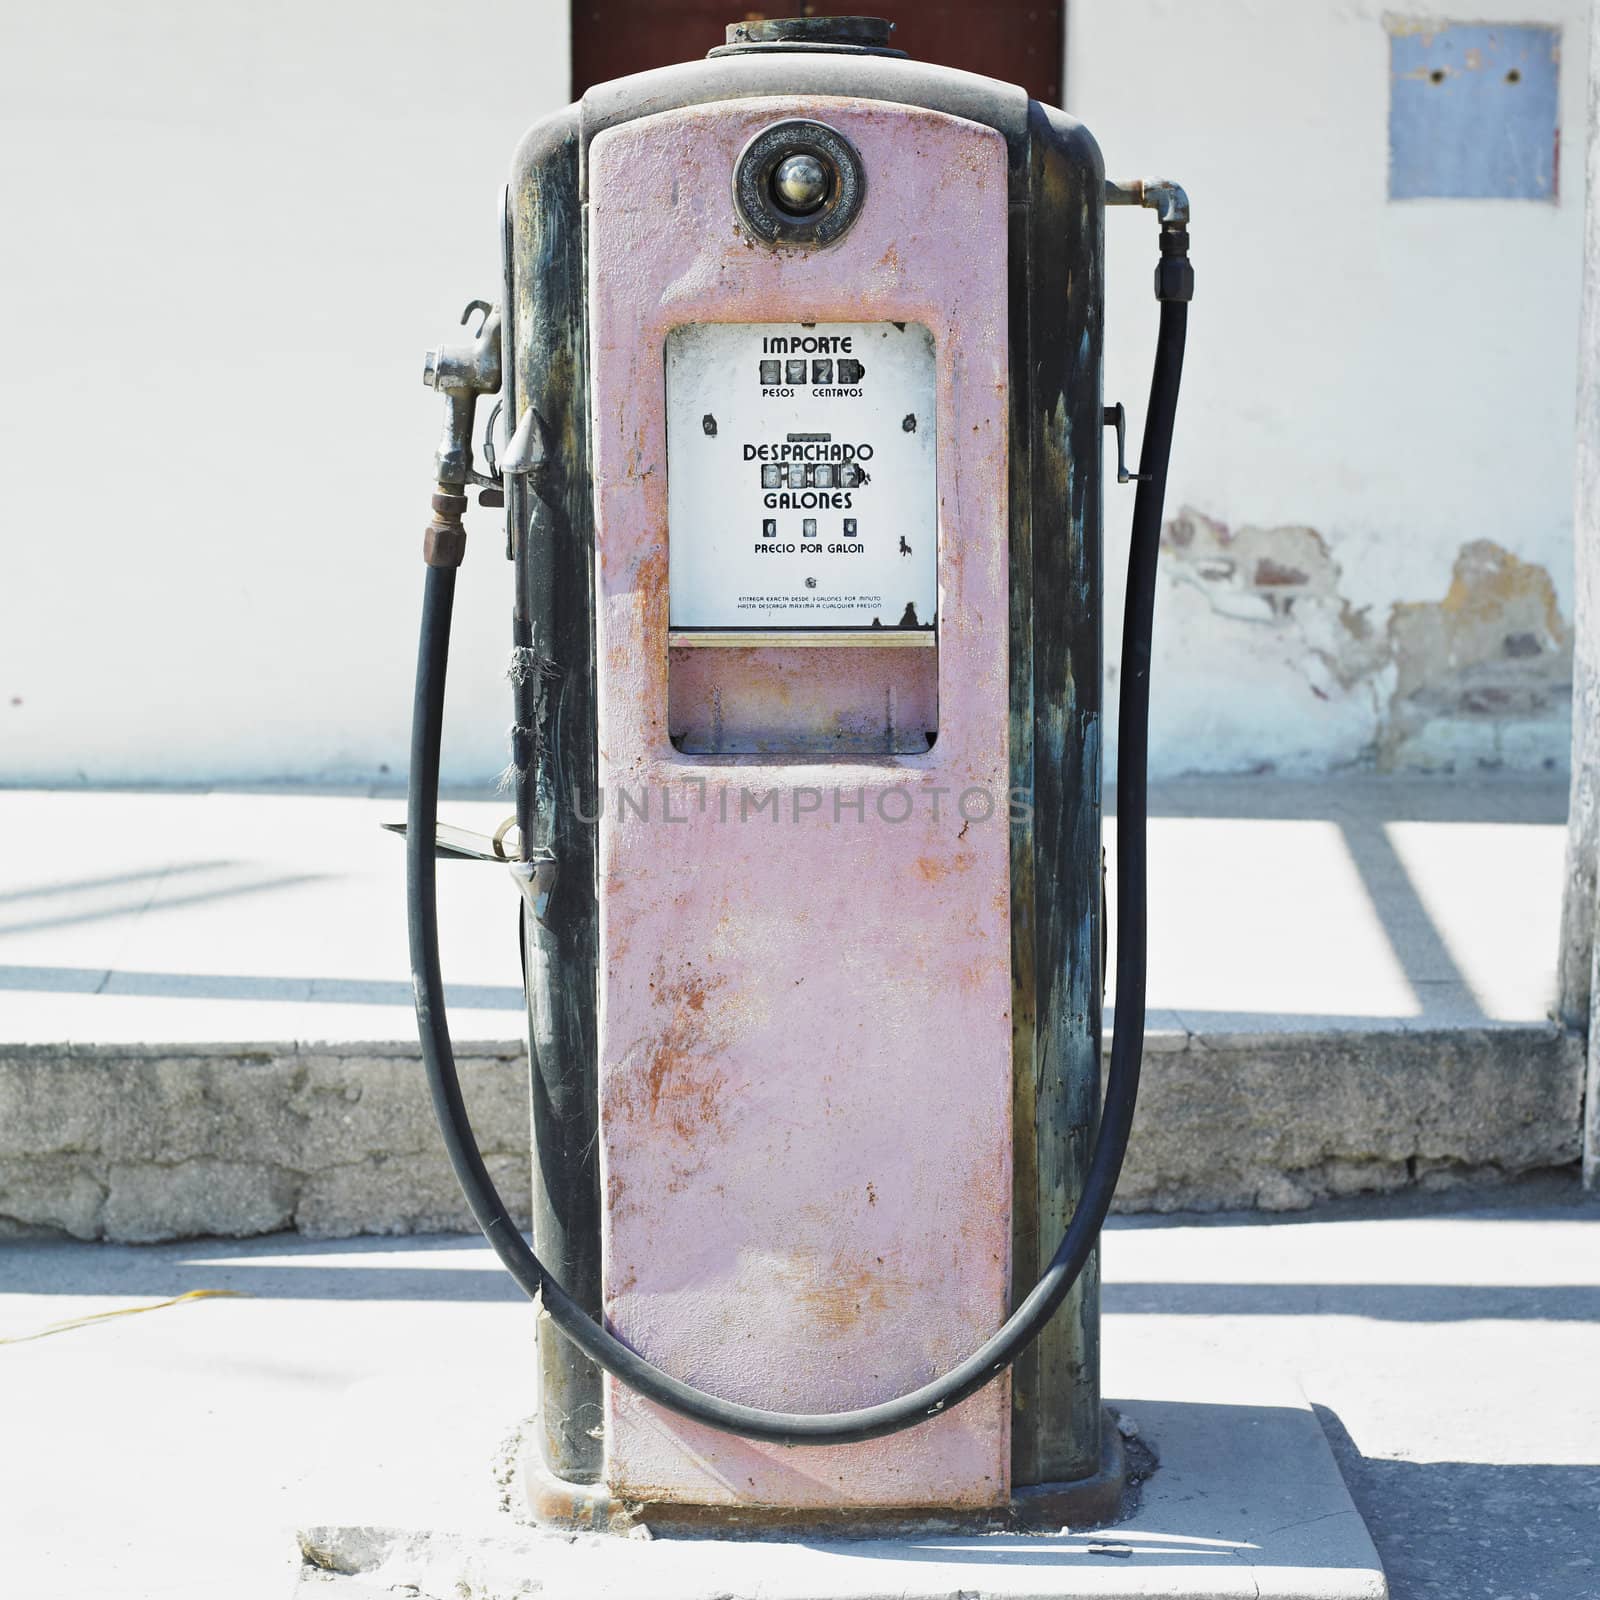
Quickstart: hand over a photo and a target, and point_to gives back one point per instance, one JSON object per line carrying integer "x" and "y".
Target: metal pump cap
{"x": 869, "y": 31}
{"x": 810, "y": 33}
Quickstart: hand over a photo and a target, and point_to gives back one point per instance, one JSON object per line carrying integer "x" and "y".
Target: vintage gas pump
{"x": 799, "y": 361}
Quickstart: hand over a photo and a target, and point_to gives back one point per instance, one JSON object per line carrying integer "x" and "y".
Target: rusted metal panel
{"x": 771, "y": 700}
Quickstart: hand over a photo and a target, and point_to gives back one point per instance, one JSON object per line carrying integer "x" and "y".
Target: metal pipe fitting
{"x": 1174, "y": 274}
{"x": 1161, "y": 195}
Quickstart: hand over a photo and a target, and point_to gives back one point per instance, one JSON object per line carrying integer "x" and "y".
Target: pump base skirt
{"x": 1093, "y": 1502}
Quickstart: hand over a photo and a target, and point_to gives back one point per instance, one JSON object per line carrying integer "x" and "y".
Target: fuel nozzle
{"x": 460, "y": 372}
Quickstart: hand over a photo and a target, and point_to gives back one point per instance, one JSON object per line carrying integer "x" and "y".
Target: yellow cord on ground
{"x": 128, "y": 1311}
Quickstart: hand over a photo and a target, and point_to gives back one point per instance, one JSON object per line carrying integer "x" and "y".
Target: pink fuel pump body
{"x": 804, "y": 1019}
{"x": 799, "y": 353}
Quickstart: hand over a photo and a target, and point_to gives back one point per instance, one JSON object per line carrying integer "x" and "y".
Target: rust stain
{"x": 650, "y": 589}
{"x": 838, "y": 1294}
{"x": 680, "y": 1086}
{"x": 974, "y": 975}
{"x": 679, "y": 1094}
{"x": 935, "y": 869}
{"x": 986, "y": 1193}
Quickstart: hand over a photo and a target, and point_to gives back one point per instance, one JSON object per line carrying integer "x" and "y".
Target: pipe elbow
{"x": 1167, "y": 199}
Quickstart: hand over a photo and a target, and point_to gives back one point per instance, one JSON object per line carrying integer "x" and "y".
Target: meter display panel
{"x": 801, "y": 484}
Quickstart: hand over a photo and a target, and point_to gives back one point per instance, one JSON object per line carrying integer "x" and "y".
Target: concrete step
{"x": 168, "y": 1142}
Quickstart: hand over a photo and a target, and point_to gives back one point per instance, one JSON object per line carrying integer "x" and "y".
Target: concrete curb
{"x": 1279, "y": 1118}
{"x": 151, "y": 1142}
{"x": 146, "y": 1142}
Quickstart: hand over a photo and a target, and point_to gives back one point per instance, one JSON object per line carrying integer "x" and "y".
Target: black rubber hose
{"x": 1127, "y": 1042}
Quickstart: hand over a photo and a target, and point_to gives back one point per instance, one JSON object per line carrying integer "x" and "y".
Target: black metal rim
{"x": 753, "y": 198}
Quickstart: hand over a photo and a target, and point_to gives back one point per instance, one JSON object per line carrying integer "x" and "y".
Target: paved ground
{"x": 168, "y": 917}
{"x": 1453, "y": 1352}
{"x": 1353, "y": 902}
{"x": 1451, "y": 1349}
{"x": 173, "y": 917}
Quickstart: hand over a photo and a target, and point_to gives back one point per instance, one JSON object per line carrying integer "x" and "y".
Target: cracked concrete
{"x": 1281, "y": 1121}
{"x": 139, "y": 1144}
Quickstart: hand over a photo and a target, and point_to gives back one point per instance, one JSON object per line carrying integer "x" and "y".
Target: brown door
{"x": 1016, "y": 40}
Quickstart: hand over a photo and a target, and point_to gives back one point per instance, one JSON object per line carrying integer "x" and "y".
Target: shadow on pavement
{"x": 449, "y": 1267}
{"x": 1382, "y": 1302}
{"x": 1460, "y": 1530}
{"x": 242, "y": 986}
{"x": 1551, "y": 1196}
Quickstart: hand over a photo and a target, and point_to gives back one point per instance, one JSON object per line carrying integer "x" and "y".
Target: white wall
{"x": 230, "y": 233}
{"x": 1398, "y": 377}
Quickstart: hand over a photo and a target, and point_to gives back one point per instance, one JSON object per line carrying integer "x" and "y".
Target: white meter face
{"x": 801, "y": 489}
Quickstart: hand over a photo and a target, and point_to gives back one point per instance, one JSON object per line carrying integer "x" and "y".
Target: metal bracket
{"x": 493, "y": 491}
{"x": 537, "y": 881}
{"x": 451, "y": 843}
{"x": 525, "y": 453}
{"x": 1116, "y": 417}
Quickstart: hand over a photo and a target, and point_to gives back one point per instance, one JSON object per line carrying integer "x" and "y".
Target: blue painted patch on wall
{"x": 1474, "y": 111}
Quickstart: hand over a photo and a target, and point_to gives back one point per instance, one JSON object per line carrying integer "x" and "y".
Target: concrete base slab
{"x": 1247, "y": 1502}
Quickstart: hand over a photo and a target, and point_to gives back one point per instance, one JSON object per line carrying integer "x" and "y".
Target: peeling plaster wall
{"x": 1480, "y": 676}
{"x": 1368, "y": 554}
